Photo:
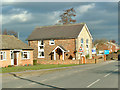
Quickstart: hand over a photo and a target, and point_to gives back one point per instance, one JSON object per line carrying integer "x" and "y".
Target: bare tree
{"x": 5, "y": 32}
{"x": 10, "y": 32}
{"x": 100, "y": 41}
{"x": 113, "y": 41}
{"x": 67, "y": 16}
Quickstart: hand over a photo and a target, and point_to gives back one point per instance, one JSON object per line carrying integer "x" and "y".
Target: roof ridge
{"x": 59, "y": 25}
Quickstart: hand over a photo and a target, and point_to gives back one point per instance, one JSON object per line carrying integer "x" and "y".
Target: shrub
{"x": 34, "y": 62}
{"x": 100, "y": 58}
{"x": 87, "y": 56}
{"x": 9, "y": 65}
{"x": 25, "y": 64}
{"x": 29, "y": 64}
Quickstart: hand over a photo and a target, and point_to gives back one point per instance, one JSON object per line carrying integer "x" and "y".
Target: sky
{"x": 100, "y": 17}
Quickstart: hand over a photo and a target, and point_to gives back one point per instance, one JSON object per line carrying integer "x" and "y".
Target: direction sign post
{"x": 80, "y": 52}
{"x": 105, "y": 53}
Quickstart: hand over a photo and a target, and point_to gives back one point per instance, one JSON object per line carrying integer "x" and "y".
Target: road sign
{"x": 80, "y": 50}
{"x": 106, "y": 51}
{"x": 93, "y": 51}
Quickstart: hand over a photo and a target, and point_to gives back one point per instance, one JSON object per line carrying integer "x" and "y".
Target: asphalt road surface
{"x": 104, "y": 75}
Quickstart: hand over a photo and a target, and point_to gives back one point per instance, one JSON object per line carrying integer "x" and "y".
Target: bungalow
{"x": 61, "y": 42}
{"x": 14, "y": 52}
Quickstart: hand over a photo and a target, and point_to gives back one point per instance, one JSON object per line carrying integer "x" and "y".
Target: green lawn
{"x": 35, "y": 67}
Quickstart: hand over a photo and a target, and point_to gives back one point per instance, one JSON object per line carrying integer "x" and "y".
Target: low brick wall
{"x": 88, "y": 61}
{"x": 59, "y": 62}
{"x": 112, "y": 56}
{"x": 91, "y": 61}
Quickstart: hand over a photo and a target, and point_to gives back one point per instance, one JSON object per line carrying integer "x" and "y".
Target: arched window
{"x": 87, "y": 41}
{"x": 81, "y": 40}
{"x": 87, "y": 46}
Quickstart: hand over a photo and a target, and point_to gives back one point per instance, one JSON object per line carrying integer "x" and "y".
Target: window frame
{"x": 52, "y": 41}
{"x": 28, "y": 54}
{"x": 3, "y": 55}
{"x": 41, "y": 50}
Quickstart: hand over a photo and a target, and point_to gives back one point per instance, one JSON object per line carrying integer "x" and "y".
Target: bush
{"x": 100, "y": 58}
{"x": 25, "y": 64}
{"x": 34, "y": 62}
{"x": 9, "y": 65}
{"x": 87, "y": 56}
{"x": 29, "y": 64}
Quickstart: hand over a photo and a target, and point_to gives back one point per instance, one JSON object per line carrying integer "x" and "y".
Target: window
{"x": 40, "y": 49}
{"x": 2, "y": 55}
{"x": 87, "y": 44}
{"x": 82, "y": 40}
{"x": 82, "y": 43}
{"x": 51, "y": 42}
{"x": 25, "y": 55}
{"x": 12, "y": 55}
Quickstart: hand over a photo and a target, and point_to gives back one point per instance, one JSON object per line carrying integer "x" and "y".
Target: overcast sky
{"x": 100, "y": 17}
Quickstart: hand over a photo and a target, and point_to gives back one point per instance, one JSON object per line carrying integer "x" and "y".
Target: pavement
{"x": 103, "y": 75}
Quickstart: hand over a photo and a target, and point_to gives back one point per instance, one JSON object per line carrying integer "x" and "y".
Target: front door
{"x": 15, "y": 58}
{"x": 61, "y": 56}
{"x": 83, "y": 59}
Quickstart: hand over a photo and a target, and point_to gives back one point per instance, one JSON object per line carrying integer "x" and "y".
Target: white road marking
{"x": 93, "y": 83}
{"x": 116, "y": 70}
{"x": 32, "y": 83}
{"x": 107, "y": 74}
{"x": 19, "y": 87}
{"x": 44, "y": 80}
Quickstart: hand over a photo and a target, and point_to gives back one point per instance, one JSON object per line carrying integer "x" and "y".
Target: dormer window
{"x": 51, "y": 42}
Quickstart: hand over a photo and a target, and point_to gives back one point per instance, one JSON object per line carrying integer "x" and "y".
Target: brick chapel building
{"x": 60, "y": 42}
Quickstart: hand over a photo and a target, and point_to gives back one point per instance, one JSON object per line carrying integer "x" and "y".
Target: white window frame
{"x": 41, "y": 50}
{"x": 3, "y": 55}
{"x": 28, "y": 54}
{"x": 11, "y": 52}
{"x": 52, "y": 41}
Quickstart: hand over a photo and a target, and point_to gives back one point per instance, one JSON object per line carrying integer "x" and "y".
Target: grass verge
{"x": 34, "y": 67}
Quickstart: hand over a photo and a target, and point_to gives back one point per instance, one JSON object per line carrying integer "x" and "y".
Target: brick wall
{"x": 59, "y": 62}
{"x": 26, "y": 61}
{"x": 6, "y": 62}
{"x": 88, "y": 61}
{"x": 68, "y": 44}
{"x": 101, "y": 46}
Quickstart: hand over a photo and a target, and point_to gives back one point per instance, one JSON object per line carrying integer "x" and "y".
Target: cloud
{"x": 16, "y": 15}
{"x": 50, "y": 18}
{"x": 95, "y": 22}
{"x": 84, "y": 8}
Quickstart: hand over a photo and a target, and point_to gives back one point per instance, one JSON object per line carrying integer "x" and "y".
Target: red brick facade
{"x": 107, "y": 46}
{"x": 68, "y": 44}
{"x": 101, "y": 47}
{"x": 20, "y": 61}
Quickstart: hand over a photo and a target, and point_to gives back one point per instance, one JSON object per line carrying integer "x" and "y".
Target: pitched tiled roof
{"x": 56, "y": 32}
{"x": 11, "y": 42}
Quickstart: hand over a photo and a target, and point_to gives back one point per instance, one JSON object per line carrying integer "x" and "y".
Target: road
{"x": 104, "y": 75}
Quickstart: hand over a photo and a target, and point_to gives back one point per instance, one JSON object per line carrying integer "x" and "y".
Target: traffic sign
{"x": 80, "y": 49}
{"x": 106, "y": 51}
{"x": 94, "y": 51}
